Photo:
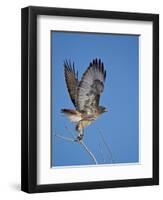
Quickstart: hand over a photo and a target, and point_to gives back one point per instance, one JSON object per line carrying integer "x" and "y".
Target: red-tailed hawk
{"x": 85, "y": 94}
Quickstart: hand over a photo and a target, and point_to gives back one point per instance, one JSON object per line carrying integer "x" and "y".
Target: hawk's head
{"x": 102, "y": 109}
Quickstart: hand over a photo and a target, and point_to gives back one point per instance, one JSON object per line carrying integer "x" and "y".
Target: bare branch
{"x": 107, "y": 146}
{"x": 88, "y": 151}
{"x": 64, "y": 138}
{"x": 79, "y": 142}
{"x": 102, "y": 153}
{"x": 69, "y": 131}
{"x": 83, "y": 144}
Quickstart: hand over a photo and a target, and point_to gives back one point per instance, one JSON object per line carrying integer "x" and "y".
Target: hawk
{"x": 84, "y": 94}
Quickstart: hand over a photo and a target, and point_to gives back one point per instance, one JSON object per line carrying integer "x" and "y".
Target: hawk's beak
{"x": 106, "y": 110}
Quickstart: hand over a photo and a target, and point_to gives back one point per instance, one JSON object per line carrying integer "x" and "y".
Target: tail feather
{"x": 73, "y": 115}
{"x": 69, "y": 111}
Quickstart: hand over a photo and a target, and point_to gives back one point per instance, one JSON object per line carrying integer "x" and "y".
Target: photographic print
{"x": 94, "y": 99}
{"x": 90, "y": 99}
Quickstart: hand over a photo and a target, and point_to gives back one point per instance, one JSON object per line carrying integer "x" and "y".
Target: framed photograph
{"x": 90, "y": 99}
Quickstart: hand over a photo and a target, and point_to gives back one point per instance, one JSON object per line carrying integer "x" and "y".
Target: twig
{"x": 102, "y": 153}
{"x": 79, "y": 142}
{"x": 107, "y": 146}
{"x": 65, "y": 138}
{"x": 88, "y": 151}
{"x": 69, "y": 131}
{"x": 83, "y": 144}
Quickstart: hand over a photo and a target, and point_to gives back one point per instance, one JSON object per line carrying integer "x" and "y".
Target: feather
{"x": 73, "y": 115}
{"x": 91, "y": 86}
{"x": 71, "y": 78}
{"x": 85, "y": 94}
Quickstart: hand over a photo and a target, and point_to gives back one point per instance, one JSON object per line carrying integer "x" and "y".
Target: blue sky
{"x": 119, "y": 125}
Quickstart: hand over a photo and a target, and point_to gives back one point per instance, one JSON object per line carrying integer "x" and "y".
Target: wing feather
{"x": 71, "y": 78}
{"x": 91, "y": 86}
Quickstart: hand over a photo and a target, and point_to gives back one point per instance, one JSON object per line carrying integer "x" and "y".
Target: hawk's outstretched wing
{"x": 91, "y": 86}
{"x": 71, "y": 78}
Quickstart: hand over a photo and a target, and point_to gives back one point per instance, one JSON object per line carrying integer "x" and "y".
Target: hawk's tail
{"x": 73, "y": 115}
{"x": 68, "y": 111}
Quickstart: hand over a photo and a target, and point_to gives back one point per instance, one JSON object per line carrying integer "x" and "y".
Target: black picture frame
{"x": 29, "y": 98}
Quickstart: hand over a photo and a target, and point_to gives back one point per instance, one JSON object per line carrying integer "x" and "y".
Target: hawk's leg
{"x": 80, "y": 130}
{"x": 80, "y": 135}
